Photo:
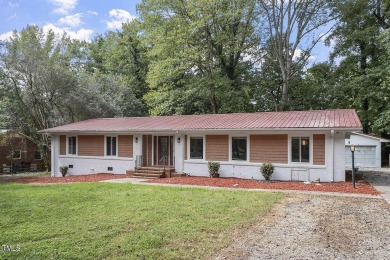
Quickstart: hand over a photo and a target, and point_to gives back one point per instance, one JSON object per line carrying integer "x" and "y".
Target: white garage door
{"x": 364, "y": 156}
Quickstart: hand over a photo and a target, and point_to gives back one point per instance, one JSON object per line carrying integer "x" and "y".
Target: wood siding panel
{"x": 125, "y": 146}
{"x": 62, "y": 144}
{"x": 147, "y": 145}
{"x": 90, "y": 145}
{"x": 217, "y": 148}
{"x": 269, "y": 148}
{"x": 319, "y": 149}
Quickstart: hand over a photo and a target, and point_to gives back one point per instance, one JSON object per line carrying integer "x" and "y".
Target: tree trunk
{"x": 365, "y": 102}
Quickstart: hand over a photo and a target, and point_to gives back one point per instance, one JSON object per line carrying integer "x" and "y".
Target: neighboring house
{"x": 368, "y": 150}
{"x": 18, "y": 151}
{"x": 303, "y": 145}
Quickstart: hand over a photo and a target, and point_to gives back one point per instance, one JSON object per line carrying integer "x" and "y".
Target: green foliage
{"x": 267, "y": 169}
{"x": 315, "y": 90}
{"x": 44, "y": 83}
{"x": 123, "y": 221}
{"x": 197, "y": 55}
{"x": 64, "y": 170}
{"x": 123, "y": 54}
{"x": 37, "y": 82}
{"x": 361, "y": 75}
{"x": 213, "y": 169}
{"x": 291, "y": 31}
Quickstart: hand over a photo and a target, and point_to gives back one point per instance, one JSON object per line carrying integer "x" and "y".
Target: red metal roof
{"x": 316, "y": 119}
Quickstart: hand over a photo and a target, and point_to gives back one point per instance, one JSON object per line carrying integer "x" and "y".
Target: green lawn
{"x": 110, "y": 221}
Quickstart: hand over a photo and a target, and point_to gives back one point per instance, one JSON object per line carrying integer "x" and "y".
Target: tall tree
{"x": 381, "y": 11}
{"x": 123, "y": 55}
{"x": 32, "y": 65}
{"x": 291, "y": 31}
{"x": 315, "y": 89}
{"x": 362, "y": 68}
{"x": 381, "y": 124}
{"x": 197, "y": 54}
{"x": 40, "y": 85}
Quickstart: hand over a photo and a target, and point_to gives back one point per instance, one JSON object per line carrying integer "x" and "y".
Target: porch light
{"x": 304, "y": 142}
{"x": 178, "y": 140}
{"x": 136, "y": 139}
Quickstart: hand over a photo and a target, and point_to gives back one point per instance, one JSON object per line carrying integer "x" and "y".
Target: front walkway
{"x": 128, "y": 180}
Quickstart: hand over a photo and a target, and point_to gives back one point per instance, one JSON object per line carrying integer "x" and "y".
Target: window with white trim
{"x": 239, "y": 148}
{"x": 72, "y": 145}
{"x": 196, "y": 147}
{"x": 111, "y": 144}
{"x": 17, "y": 154}
{"x": 300, "y": 149}
{"x": 37, "y": 155}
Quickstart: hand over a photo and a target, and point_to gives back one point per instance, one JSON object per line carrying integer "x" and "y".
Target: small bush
{"x": 267, "y": 169}
{"x": 213, "y": 169}
{"x": 64, "y": 170}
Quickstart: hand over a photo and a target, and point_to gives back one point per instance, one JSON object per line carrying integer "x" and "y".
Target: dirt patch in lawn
{"x": 362, "y": 187}
{"x": 67, "y": 179}
{"x": 316, "y": 227}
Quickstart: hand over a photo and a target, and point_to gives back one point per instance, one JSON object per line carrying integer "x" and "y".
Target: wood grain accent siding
{"x": 319, "y": 149}
{"x": 217, "y": 148}
{"x": 90, "y": 145}
{"x": 147, "y": 143}
{"x": 62, "y": 144}
{"x": 125, "y": 146}
{"x": 269, "y": 148}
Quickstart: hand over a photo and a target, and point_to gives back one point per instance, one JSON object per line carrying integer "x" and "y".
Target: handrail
{"x": 138, "y": 161}
{"x": 164, "y": 157}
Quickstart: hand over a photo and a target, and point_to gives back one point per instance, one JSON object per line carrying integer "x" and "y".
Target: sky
{"x": 81, "y": 19}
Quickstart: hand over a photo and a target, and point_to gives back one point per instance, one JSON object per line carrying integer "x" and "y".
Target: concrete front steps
{"x": 151, "y": 172}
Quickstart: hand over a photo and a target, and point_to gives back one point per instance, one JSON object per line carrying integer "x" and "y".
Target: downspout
{"x": 332, "y": 157}
{"x": 53, "y": 155}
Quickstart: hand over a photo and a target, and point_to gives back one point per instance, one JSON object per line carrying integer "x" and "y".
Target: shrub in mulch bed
{"x": 68, "y": 179}
{"x": 345, "y": 187}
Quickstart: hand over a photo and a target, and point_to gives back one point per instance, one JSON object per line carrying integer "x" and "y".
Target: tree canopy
{"x": 203, "y": 56}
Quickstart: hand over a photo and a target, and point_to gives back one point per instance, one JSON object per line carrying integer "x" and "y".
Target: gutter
{"x": 136, "y": 131}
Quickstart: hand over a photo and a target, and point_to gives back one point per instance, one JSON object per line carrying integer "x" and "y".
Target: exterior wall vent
{"x": 110, "y": 169}
{"x": 70, "y": 166}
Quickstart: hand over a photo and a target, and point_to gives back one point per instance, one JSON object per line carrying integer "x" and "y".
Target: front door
{"x": 163, "y": 147}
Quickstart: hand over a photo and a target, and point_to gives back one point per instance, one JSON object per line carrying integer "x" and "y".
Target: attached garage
{"x": 367, "y": 150}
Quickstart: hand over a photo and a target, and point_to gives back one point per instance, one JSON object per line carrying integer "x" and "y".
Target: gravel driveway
{"x": 317, "y": 227}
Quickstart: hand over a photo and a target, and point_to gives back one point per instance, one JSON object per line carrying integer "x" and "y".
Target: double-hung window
{"x": 72, "y": 145}
{"x": 17, "y": 154}
{"x": 239, "y": 148}
{"x": 300, "y": 149}
{"x": 196, "y": 147}
{"x": 37, "y": 155}
{"x": 111, "y": 145}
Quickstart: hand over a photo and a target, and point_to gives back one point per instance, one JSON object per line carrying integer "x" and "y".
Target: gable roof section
{"x": 313, "y": 119}
{"x": 380, "y": 139}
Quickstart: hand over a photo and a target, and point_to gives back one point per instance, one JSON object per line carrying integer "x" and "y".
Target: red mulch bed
{"x": 345, "y": 187}
{"x": 68, "y": 179}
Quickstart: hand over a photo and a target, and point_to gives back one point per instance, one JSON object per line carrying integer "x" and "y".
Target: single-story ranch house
{"x": 302, "y": 145}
